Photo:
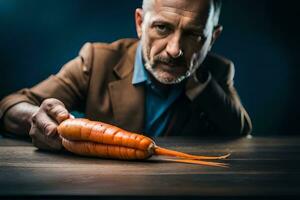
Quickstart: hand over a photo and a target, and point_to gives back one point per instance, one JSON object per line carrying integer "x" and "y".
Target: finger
{"x": 38, "y": 139}
{"x": 56, "y": 109}
{"x": 59, "y": 113}
{"x": 42, "y": 141}
{"x": 55, "y": 143}
{"x": 45, "y": 124}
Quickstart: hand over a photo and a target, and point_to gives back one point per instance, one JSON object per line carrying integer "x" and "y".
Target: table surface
{"x": 259, "y": 167}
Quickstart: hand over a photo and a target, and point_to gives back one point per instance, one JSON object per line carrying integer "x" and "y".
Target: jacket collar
{"x": 127, "y": 100}
{"x": 126, "y": 63}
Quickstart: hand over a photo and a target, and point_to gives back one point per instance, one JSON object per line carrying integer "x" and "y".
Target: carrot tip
{"x": 200, "y": 162}
{"x": 168, "y": 152}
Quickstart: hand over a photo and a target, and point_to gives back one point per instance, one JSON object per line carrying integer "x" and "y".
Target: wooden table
{"x": 261, "y": 167}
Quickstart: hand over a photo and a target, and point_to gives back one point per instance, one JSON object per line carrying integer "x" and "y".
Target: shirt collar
{"x": 140, "y": 74}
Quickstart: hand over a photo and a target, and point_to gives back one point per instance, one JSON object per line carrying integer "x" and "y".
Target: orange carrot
{"x": 91, "y": 138}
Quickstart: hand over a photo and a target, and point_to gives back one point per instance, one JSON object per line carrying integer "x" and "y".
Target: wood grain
{"x": 260, "y": 167}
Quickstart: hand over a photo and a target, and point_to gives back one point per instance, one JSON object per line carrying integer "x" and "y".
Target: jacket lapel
{"x": 127, "y": 99}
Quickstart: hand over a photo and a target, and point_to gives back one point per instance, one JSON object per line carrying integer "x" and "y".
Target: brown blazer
{"x": 98, "y": 83}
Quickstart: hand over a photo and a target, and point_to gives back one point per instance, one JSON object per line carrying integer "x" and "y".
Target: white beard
{"x": 194, "y": 64}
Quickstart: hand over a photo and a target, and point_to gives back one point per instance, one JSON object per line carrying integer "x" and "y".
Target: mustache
{"x": 169, "y": 60}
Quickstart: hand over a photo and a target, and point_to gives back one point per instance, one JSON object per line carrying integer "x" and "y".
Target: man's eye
{"x": 162, "y": 29}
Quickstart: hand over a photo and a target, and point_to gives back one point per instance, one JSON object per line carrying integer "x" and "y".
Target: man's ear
{"x": 216, "y": 34}
{"x": 139, "y": 21}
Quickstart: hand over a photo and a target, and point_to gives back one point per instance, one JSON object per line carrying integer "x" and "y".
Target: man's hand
{"x": 44, "y": 123}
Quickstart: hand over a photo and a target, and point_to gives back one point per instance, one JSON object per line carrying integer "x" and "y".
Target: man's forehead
{"x": 193, "y": 12}
{"x": 193, "y": 8}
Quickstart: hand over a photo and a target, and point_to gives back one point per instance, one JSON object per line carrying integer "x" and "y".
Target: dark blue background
{"x": 261, "y": 37}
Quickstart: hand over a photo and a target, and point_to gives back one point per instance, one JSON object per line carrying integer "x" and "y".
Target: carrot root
{"x": 199, "y": 162}
{"x": 168, "y": 152}
{"x": 91, "y": 138}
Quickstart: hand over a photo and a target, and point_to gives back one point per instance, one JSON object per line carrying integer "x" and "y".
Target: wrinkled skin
{"x": 173, "y": 26}
{"x": 44, "y": 124}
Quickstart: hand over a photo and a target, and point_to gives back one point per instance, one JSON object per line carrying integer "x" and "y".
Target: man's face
{"x": 173, "y": 26}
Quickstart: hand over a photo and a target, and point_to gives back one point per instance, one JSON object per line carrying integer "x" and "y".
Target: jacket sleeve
{"x": 69, "y": 85}
{"x": 221, "y": 103}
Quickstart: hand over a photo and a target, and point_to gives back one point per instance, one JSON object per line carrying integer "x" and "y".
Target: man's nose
{"x": 173, "y": 47}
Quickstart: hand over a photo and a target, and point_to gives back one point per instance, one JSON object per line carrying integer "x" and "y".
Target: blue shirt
{"x": 158, "y": 101}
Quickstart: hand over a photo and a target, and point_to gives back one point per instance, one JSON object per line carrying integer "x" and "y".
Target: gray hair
{"x": 217, "y": 10}
{"x": 148, "y": 5}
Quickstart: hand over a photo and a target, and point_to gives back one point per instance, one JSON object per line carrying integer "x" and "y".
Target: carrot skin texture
{"x": 91, "y": 138}
{"x": 104, "y": 151}
{"x": 79, "y": 130}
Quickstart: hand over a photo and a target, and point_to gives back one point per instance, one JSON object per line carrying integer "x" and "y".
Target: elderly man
{"x": 166, "y": 83}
